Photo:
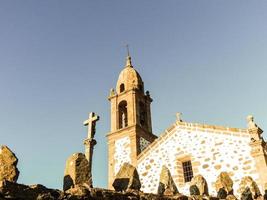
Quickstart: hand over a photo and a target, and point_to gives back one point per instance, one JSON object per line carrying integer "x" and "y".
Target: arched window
{"x": 122, "y": 87}
{"x": 142, "y": 114}
{"x": 123, "y": 115}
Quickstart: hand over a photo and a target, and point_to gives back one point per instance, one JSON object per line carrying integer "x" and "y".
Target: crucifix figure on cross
{"x": 91, "y": 123}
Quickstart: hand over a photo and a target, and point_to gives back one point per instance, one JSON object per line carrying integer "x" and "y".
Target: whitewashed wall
{"x": 122, "y": 153}
{"x": 211, "y": 153}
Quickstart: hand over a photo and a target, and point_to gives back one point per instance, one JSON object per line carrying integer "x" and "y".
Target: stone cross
{"x": 91, "y": 122}
{"x": 90, "y": 142}
{"x": 179, "y": 117}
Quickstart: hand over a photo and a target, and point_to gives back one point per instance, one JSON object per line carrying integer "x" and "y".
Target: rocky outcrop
{"x": 248, "y": 189}
{"x": 166, "y": 183}
{"x": 8, "y": 165}
{"x": 199, "y": 185}
{"x": 9, "y": 190}
{"x": 127, "y": 178}
{"x": 76, "y": 171}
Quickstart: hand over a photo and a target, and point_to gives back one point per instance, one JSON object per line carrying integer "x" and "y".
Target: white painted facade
{"x": 122, "y": 153}
{"x": 210, "y": 151}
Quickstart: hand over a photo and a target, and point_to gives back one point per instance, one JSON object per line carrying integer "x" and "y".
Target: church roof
{"x": 191, "y": 127}
{"x": 129, "y": 77}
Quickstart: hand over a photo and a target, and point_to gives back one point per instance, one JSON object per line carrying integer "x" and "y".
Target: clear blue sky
{"x": 59, "y": 59}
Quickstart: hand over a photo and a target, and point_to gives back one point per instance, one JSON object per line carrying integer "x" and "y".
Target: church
{"x": 186, "y": 149}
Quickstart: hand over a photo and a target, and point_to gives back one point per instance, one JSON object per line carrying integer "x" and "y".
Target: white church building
{"x": 186, "y": 149}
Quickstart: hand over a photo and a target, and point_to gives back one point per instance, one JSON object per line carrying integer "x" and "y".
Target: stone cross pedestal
{"x": 90, "y": 142}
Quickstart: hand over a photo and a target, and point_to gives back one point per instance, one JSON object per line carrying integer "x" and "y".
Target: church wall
{"x": 122, "y": 153}
{"x": 210, "y": 151}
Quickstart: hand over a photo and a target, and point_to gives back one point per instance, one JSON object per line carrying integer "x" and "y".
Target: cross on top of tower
{"x": 91, "y": 122}
{"x": 128, "y": 59}
{"x": 127, "y": 47}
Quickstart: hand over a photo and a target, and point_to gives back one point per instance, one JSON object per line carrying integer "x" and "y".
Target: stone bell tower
{"x": 131, "y": 128}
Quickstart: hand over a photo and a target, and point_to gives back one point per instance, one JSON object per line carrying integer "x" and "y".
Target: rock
{"x": 127, "y": 178}
{"x": 79, "y": 190}
{"x": 166, "y": 183}
{"x": 222, "y": 193}
{"x": 248, "y": 186}
{"x": 246, "y": 194}
{"x": 231, "y": 197}
{"x": 8, "y": 165}
{"x": 224, "y": 181}
{"x": 11, "y": 190}
{"x": 193, "y": 189}
{"x": 201, "y": 184}
{"x": 76, "y": 171}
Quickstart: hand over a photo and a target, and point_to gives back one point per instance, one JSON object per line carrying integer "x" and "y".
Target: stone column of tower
{"x": 131, "y": 127}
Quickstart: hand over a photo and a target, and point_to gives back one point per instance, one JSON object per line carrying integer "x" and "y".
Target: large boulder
{"x": 77, "y": 172}
{"x": 8, "y": 165}
{"x": 127, "y": 178}
{"x": 166, "y": 183}
{"x": 200, "y": 182}
{"x": 248, "y": 188}
{"x": 225, "y": 182}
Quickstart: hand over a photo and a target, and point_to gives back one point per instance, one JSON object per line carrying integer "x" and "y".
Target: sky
{"x": 59, "y": 59}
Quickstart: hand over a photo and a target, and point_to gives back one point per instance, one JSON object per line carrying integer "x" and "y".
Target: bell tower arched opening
{"x": 122, "y": 88}
{"x": 123, "y": 115}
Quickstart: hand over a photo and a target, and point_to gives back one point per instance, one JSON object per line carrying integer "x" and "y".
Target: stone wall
{"x": 211, "y": 150}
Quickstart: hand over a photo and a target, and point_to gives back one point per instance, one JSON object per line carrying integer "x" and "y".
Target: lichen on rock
{"x": 8, "y": 165}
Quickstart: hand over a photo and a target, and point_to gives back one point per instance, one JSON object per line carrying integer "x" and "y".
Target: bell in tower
{"x": 131, "y": 127}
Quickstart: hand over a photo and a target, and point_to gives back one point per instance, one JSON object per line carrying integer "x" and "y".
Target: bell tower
{"x": 131, "y": 127}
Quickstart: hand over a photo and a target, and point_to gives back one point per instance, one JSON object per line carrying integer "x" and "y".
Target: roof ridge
{"x": 208, "y": 126}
